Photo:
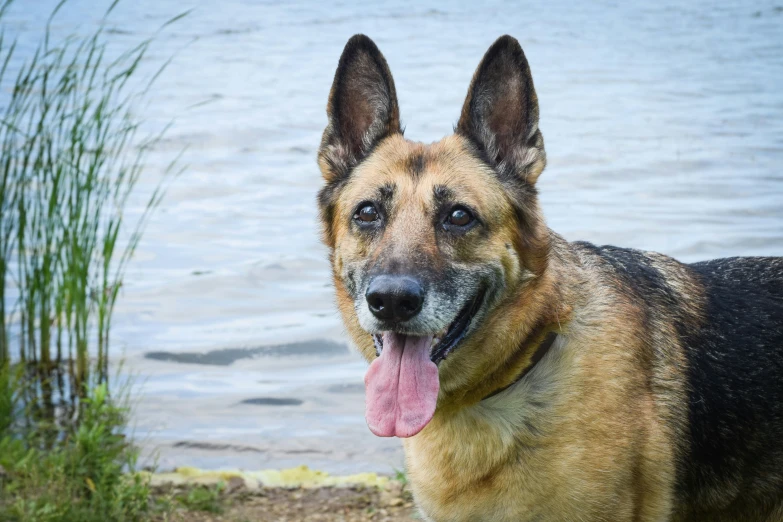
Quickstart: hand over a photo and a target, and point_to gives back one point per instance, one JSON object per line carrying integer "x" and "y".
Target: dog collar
{"x": 539, "y": 354}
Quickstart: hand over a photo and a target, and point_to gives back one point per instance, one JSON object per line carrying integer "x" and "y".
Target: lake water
{"x": 663, "y": 124}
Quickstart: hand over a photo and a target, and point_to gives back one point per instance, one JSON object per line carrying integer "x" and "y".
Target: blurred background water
{"x": 663, "y": 124}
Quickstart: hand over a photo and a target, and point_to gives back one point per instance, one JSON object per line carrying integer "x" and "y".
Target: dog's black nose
{"x": 394, "y": 298}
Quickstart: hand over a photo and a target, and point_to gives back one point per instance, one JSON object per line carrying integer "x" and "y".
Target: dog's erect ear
{"x": 362, "y": 108}
{"x": 500, "y": 114}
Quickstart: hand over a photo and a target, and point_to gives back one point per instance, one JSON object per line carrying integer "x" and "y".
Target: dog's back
{"x": 734, "y": 462}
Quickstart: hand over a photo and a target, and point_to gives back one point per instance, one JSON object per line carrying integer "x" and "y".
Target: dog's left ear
{"x": 500, "y": 114}
{"x": 362, "y": 108}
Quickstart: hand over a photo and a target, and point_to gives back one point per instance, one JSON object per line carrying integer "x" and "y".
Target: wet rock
{"x": 228, "y": 356}
{"x": 392, "y": 495}
{"x": 354, "y": 387}
{"x": 273, "y": 401}
{"x": 210, "y": 446}
{"x": 235, "y": 485}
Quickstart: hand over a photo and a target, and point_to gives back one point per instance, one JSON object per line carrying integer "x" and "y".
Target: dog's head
{"x": 427, "y": 242}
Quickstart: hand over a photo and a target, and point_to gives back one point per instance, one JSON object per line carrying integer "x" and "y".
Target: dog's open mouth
{"x": 444, "y": 342}
{"x": 402, "y": 384}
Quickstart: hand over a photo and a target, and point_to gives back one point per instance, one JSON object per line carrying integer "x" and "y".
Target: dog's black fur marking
{"x": 735, "y": 361}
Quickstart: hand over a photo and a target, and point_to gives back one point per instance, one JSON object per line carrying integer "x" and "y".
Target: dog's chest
{"x": 478, "y": 467}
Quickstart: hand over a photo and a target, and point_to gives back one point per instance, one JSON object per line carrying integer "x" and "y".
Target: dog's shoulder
{"x": 661, "y": 282}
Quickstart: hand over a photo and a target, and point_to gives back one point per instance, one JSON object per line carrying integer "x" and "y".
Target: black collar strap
{"x": 539, "y": 354}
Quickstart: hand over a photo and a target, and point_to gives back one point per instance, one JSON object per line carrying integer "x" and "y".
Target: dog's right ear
{"x": 362, "y": 108}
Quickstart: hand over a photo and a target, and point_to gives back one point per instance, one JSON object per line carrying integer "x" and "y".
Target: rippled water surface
{"x": 663, "y": 124}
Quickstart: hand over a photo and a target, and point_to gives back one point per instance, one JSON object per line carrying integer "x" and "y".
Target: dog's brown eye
{"x": 366, "y": 214}
{"x": 460, "y": 217}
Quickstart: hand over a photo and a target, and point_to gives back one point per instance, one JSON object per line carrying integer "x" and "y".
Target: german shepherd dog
{"x": 533, "y": 378}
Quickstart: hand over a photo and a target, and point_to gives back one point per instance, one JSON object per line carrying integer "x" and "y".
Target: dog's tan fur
{"x": 594, "y": 431}
{"x": 585, "y": 436}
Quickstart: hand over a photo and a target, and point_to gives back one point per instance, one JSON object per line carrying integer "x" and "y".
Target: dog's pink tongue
{"x": 401, "y": 386}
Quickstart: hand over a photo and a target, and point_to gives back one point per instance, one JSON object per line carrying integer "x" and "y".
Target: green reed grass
{"x": 71, "y": 154}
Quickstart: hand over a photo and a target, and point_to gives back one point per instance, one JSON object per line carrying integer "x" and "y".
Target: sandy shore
{"x": 294, "y": 494}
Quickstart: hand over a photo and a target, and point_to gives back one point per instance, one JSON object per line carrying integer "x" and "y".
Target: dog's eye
{"x": 460, "y": 217}
{"x": 366, "y": 214}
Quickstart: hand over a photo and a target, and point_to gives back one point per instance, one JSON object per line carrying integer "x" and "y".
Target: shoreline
{"x": 297, "y": 477}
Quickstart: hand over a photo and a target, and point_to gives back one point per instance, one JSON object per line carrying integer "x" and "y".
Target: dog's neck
{"x": 541, "y": 351}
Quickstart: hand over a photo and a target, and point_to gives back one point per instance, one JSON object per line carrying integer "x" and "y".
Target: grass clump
{"x": 82, "y": 478}
{"x": 203, "y": 498}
